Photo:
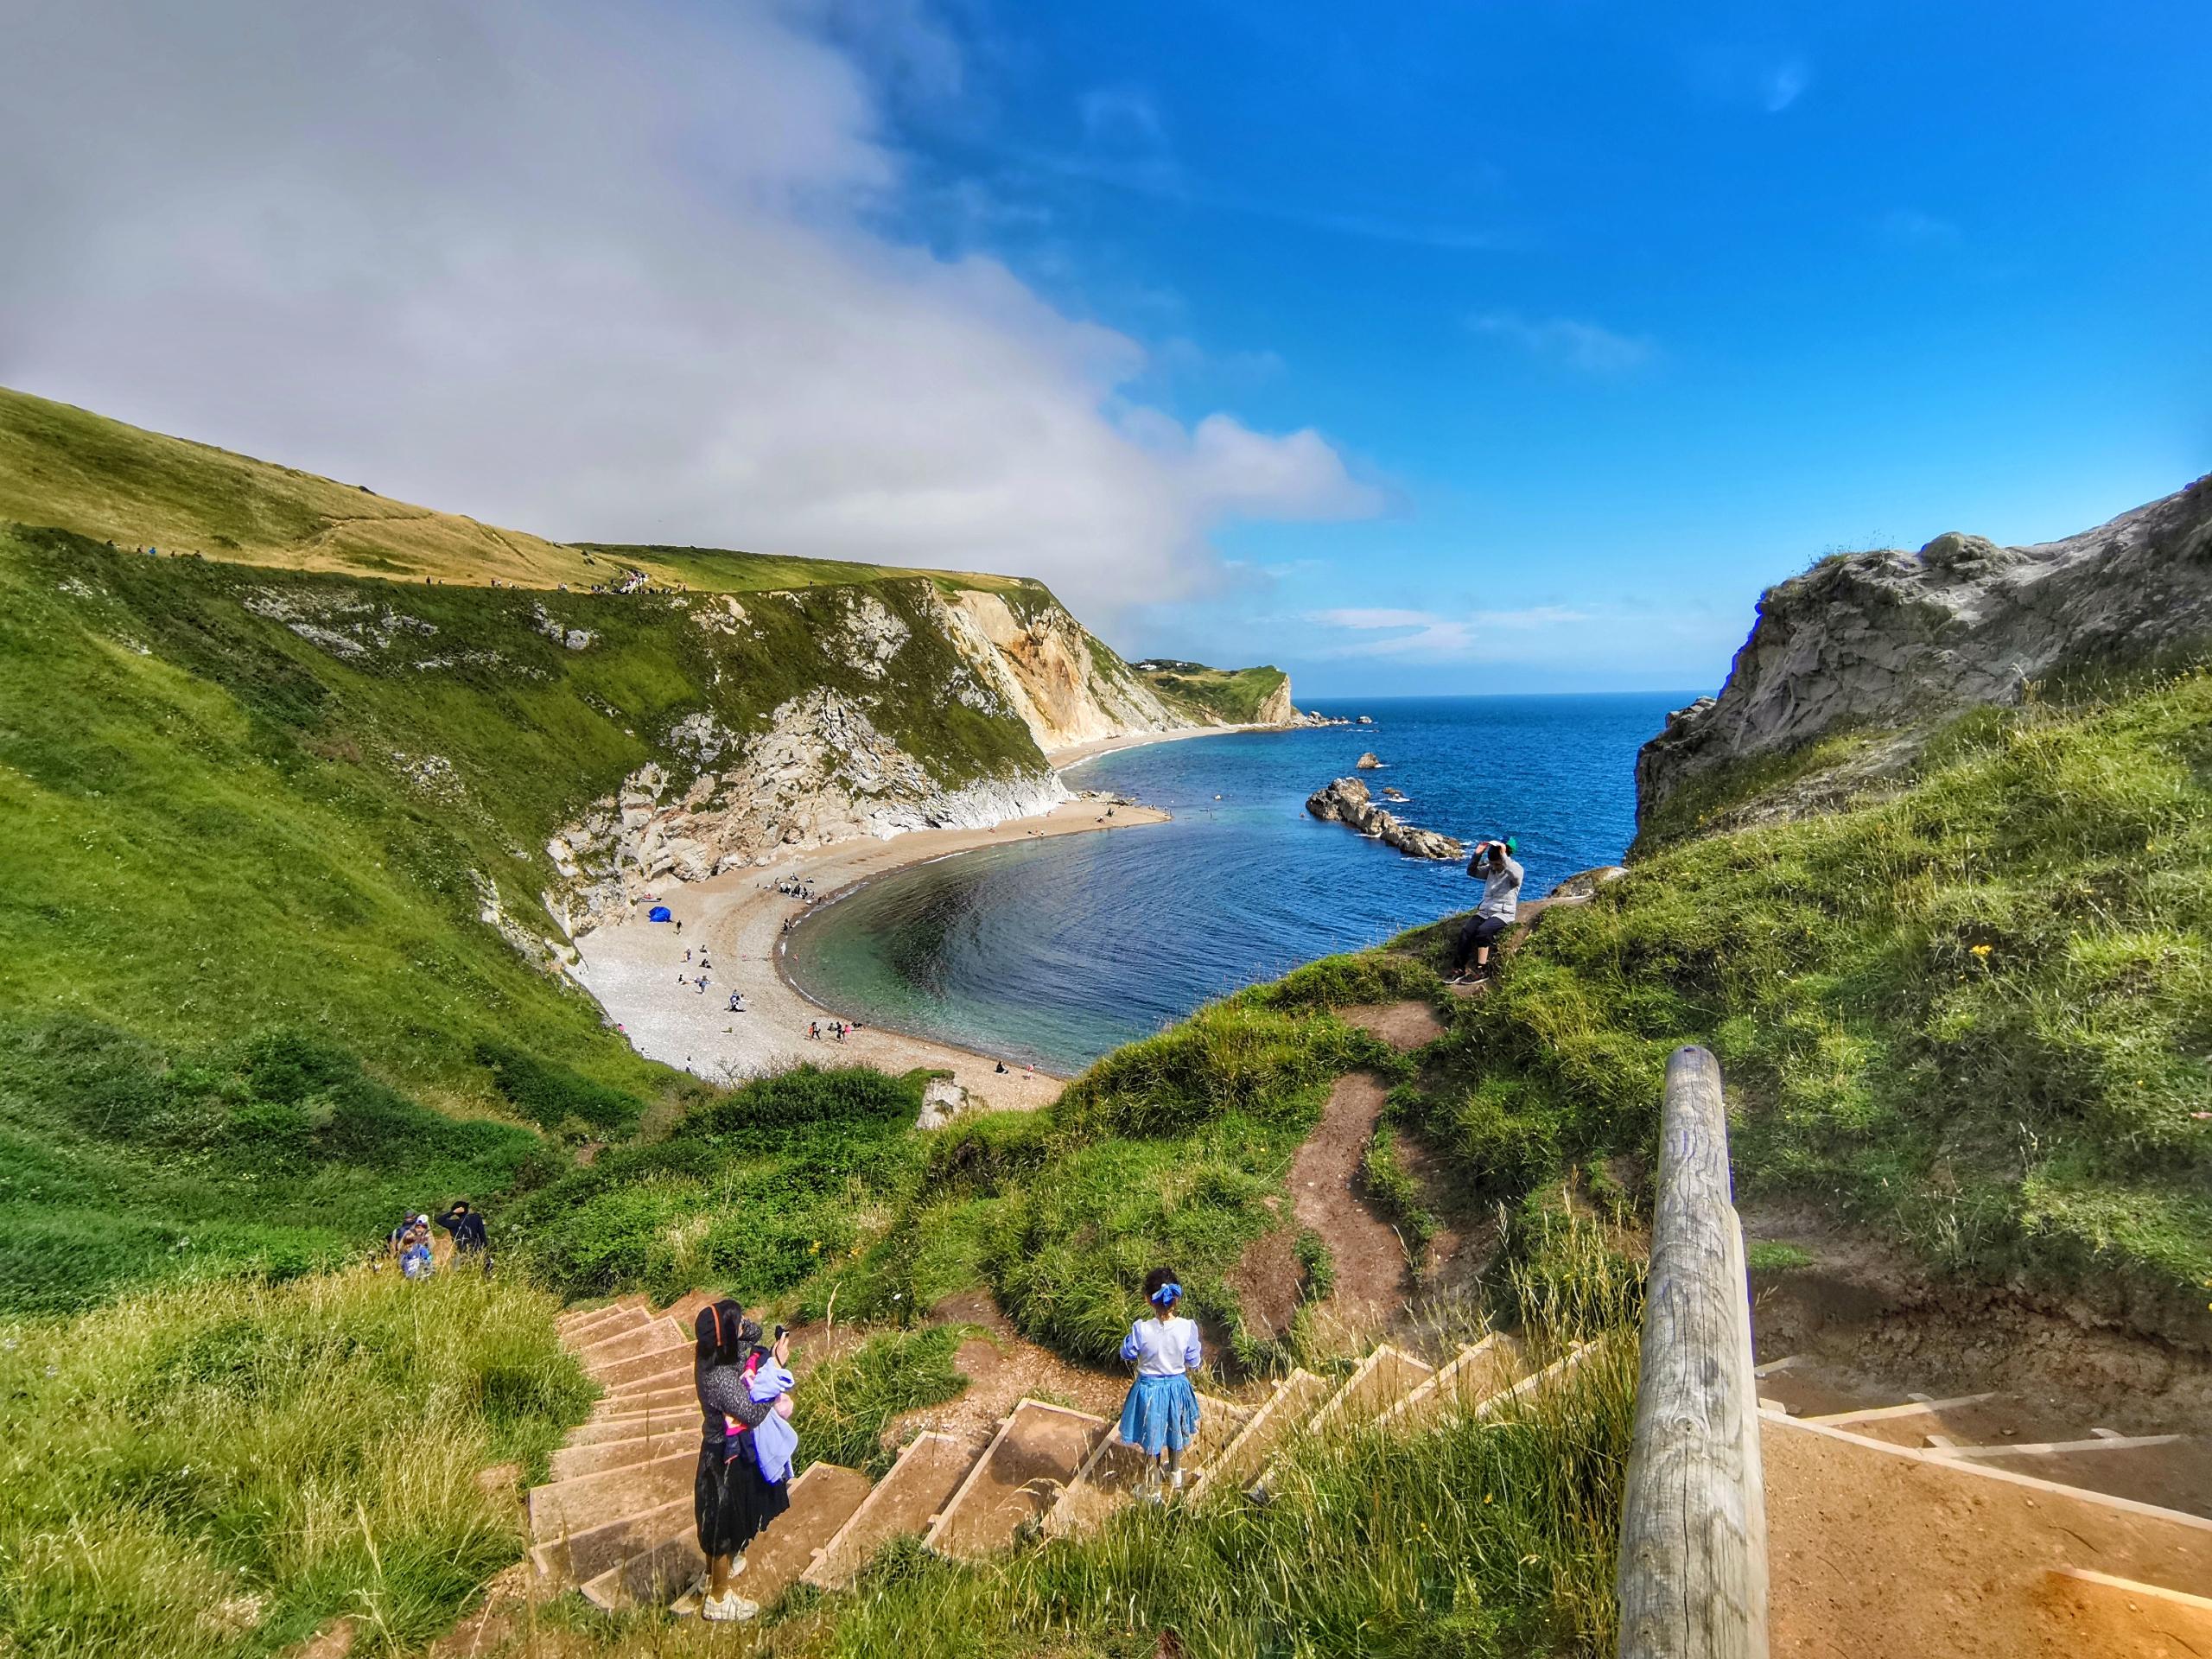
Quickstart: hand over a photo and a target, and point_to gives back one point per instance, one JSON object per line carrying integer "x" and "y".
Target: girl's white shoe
{"x": 728, "y": 1609}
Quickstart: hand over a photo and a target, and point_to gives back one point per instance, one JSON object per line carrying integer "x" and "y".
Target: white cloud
{"x": 597, "y": 275}
{"x": 1581, "y": 345}
{"x": 1431, "y": 636}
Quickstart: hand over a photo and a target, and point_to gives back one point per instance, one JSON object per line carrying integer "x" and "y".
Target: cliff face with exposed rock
{"x": 1898, "y": 640}
{"x": 913, "y": 704}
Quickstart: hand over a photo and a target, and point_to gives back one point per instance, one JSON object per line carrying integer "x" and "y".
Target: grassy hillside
{"x": 1977, "y": 1017}
{"x": 815, "y": 1184}
{"x": 243, "y": 800}
{"x": 70, "y": 469}
{"x": 1234, "y": 695}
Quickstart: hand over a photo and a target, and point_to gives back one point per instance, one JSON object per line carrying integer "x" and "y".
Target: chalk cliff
{"x": 1899, "y": 641}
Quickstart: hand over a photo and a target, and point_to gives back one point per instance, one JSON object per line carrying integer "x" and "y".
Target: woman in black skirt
{"x": 731, "y": 1501}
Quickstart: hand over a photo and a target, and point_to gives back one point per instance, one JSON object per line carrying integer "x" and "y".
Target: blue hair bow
{"x": 1167, "y": 1293}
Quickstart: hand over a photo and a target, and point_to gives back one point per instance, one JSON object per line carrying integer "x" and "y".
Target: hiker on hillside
{"x": 1161, "y": 1415}
{"x": 414, "y": 1261}
{"x": 470, "y": 1245}
{"x": 731, "y": 1499}
{"x": 1500, "y": 872}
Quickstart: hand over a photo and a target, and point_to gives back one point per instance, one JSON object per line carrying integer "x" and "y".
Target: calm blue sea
{"x": 1057, "y": 950}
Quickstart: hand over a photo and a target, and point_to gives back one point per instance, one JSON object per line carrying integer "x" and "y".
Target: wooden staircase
{"x": 2007, "y": 1527}
{"x": 614, "y": 1520}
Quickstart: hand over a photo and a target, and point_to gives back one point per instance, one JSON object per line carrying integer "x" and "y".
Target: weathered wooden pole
{"x": 1692, "y": 1568}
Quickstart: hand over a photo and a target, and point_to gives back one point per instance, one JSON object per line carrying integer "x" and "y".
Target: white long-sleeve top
{"x": 1163, "y": 1347}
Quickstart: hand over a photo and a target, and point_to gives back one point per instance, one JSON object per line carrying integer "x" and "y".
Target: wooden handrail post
{"x": 1692, "y": 1567}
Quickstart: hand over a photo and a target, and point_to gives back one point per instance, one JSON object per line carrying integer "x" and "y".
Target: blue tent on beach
{"x": 658, "y": 914}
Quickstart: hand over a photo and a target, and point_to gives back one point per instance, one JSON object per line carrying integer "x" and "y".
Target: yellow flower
{"x": 1981, "y": 950}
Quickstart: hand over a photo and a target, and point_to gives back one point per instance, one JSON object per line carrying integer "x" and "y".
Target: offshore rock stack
{"x": 1346, "y": 802}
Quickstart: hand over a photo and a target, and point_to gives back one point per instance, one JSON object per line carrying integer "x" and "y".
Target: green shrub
{"x": 549, "y": 1093}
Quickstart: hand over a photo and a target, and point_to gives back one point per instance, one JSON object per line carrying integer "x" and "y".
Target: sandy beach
{"x": 733, "y": 922}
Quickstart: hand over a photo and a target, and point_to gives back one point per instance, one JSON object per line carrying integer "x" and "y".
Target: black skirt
{"x": 732, "y": 1500}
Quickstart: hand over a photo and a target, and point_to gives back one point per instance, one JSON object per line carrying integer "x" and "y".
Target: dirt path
{"x": 1369, "y": 1256}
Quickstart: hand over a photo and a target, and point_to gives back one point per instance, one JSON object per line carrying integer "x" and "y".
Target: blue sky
{"x": 1457, "y": 347}
{"x": 1629, "y": 310}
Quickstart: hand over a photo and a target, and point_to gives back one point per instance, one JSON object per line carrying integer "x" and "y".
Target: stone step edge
{"x": 1260, "y": 1418}
{"x": 553, "y": 1489}
{"x": 982, "y": 1462}
{"x": 817, "y": 1572}
{"x": 1981, "y": 1470}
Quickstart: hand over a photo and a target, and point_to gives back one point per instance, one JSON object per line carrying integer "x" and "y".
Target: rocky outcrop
{"x": 1346, "y": 802}
{"x": 1369, "y": 762}
{"x": 822, "y": 772}
{"x": 1583, "y": 883}
{"x": 1900, "y": 641}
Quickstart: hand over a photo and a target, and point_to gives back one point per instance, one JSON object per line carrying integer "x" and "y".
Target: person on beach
{"x": 814, "y": 1031}
{"x": 1500, "y": 872}
{"x": 1161, "y": 1415}
{"x": 731, "y": 1500}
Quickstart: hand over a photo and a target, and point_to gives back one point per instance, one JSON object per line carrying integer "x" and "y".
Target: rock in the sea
{"x": 1367, "y": 720}
{"x": 1902, "y": 640}
{"x": 1368, "y": 761}
{"x": 1392, "y": 792}
{"x": 1346, "y": 802}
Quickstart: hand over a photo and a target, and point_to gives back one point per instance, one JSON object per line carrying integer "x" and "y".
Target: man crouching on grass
{"x": 1500, "y": 878}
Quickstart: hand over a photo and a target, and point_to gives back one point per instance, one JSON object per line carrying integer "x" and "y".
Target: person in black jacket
{"x": 468, "y": 1240}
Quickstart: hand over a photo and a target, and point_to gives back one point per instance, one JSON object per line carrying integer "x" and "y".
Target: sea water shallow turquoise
{"x": 1056, "y": 951}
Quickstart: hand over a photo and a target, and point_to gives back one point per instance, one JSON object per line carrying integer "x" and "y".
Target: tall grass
{"x": 1977, "y": 1015}
{"x": 218, "y": 1470}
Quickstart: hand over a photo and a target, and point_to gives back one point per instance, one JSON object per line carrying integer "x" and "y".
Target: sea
{"x": 1055, "y": 950}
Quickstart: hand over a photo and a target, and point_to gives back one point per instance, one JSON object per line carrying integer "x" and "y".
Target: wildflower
{"x": 1981, "y": 950}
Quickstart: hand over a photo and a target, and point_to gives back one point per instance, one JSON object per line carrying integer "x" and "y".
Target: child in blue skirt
{"x": 1161, "y": 1417}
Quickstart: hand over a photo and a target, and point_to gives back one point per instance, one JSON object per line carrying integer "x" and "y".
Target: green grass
{"x": 847, "y": 1402}
{"x": 70, "y": 469}
{"x": 813, "y": 1185}
{"x": 122, "y": 1165}
{"x": 1976, "y": 1017}
{"x": 216, "y": 1472}
{"x": 1234, "y": 695}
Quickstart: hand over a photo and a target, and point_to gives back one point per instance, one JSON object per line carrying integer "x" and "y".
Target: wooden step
{"x": 1036, "y": 1453}
{"x": 602, "y": 1321}
{"x": 685, "y": 1309}
{"x": 1865, "y": 1539}
{"x": 823, "y": 1496}
{"x": 597, "y": 1431}
{"x": 572, "y": 1461}
{"x": 1378, "y": 1381}
{"x": 2170, "y": 1471}
{"x": 1295, "y": 1399}
{"x": 1472, "y": 1375}
{"x": 606, "y": 1322}
{"x": 906, "y": 1501}
{"x": 661, "y": 1369}
{"x": 621, "y": 1403}
{"x": 1114, "y": 1475}
{"x": 656, "y": 1336}
{"x": 573, "y": 1506}
{"x": 572, "y": 1558}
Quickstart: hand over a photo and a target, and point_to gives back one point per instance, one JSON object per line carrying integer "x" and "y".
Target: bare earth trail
{"x": 1369, "y": 1256}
